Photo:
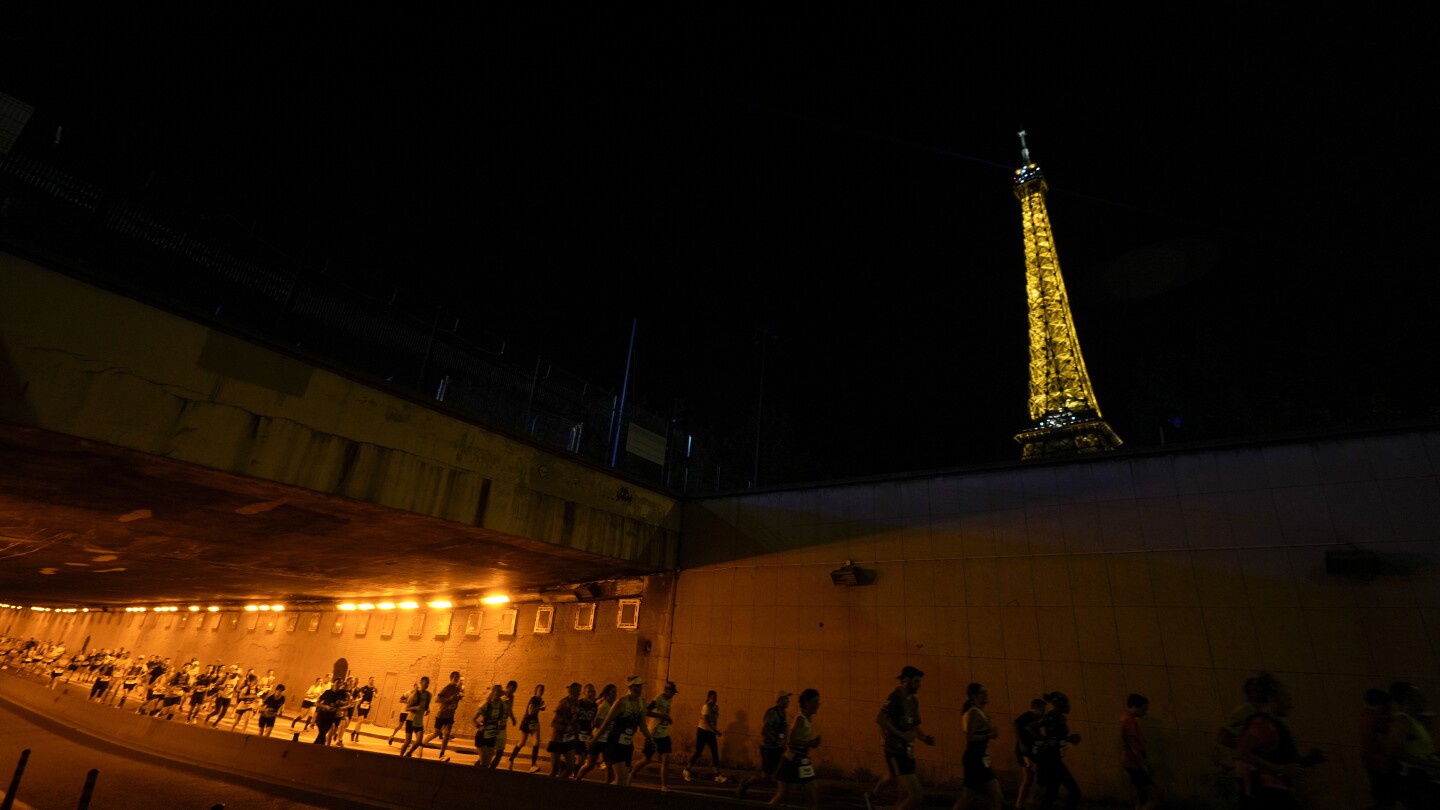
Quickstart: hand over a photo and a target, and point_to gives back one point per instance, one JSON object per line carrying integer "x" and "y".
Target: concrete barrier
{"x": 367, "y": 777}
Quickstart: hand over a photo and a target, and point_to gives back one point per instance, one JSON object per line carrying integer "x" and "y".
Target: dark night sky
{"x": 1241, "y": 204}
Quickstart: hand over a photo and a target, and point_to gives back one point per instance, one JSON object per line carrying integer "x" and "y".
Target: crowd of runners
{"x": 596, "y": 731}
{"x": 206, "y": 694}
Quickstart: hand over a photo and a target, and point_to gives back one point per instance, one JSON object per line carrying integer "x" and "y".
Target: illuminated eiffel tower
{"x": 1066, "y": 418}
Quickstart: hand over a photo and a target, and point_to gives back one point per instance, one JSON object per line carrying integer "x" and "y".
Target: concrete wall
{"x": 79, "y": 360}
{"x": 1174, "y": 575}
{"x": 606, "y": 654}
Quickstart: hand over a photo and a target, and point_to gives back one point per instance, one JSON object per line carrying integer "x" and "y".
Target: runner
{"x": 658, "y": 744}
{"x": 198, "y": 691}
{"x": 487, "y": 720}
{"x": 625, "y": 717}
{"x": 307, "y": 705}
{"x": 449, "y": 699}
{"x": 102, "y": 681}
{"x": 245, "y": 698}
{"x": 707, "y": 735}
{"x": 979, "y": 777}
{"x": 772, "y": 744}
{"x": 327, "y": 712}
{"x": 415, "y": 711}
{"x": 1052, "y": 735}
{"x": 1025, "y": 751}
{"x": 530, "y": 726}
{"x": 899, "y": 722}
{"x": 270, "y": 707}
{"x": 132, "y": 678}
{"x": 223, "y": 698}
{"x": 508, "y": 697}
{"x": 172, "y": 694}
{"x": 362, "y": 708}
{"x": 404, "y": 701}
{"x": 1133, "y": 751}
{"x": 595, "y": 749}
{"x": 795, "y": 766}
{"x": 564, "y": 739}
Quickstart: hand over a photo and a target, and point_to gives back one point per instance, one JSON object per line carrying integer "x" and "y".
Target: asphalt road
{"x": 59, "y": 760}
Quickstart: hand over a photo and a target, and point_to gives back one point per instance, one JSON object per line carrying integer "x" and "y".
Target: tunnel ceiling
{"x": 88, "y": 524}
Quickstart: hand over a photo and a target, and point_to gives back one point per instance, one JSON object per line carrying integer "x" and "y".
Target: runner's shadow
{"x": 734, "y": 741}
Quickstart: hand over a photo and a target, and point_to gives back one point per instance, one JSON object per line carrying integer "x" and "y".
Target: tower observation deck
{"x": 1064, "y": 414}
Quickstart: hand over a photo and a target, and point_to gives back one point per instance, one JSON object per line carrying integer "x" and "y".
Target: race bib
{"x": 806, "y": 770}
{"x": 585, "y": 736}
{"x": 626, "y": 737}
{"x": 491, "y": 732}
{"x": 365, "y": 705}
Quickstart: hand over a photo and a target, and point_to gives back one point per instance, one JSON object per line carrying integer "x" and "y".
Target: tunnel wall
{"x": 264, "y": 641}
{"x": 1173, "y": 574}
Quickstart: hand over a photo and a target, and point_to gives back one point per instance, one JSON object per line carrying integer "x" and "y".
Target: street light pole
{"x": 624, "y": 389}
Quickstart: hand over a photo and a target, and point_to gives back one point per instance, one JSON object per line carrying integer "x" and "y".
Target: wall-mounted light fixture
{"x": 851, "y": 574}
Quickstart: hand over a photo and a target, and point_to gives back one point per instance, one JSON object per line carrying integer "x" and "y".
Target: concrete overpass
{"x": 150, "y": 459}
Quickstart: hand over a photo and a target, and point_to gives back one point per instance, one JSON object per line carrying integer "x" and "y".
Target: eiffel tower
{"x": 1065, "y": 417}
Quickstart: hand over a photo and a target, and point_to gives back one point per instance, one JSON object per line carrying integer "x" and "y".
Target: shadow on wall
{"x": 760, "y": 531}
{"x": 734, "y": 748}
{"x": 13, "y": 405}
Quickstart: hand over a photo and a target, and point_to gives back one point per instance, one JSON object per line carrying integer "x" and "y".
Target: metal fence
{"x": 219, "y": 275}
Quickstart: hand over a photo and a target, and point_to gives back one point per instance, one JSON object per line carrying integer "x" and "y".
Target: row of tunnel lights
{"x": 44, "y": 609}
{"x": 438, "y": 604}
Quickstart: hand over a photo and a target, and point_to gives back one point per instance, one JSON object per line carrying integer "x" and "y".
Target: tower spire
{"x": 1065, "y": 418}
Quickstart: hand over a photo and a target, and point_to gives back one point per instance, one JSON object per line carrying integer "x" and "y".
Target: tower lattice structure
{"x": 1065, "y": 416}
